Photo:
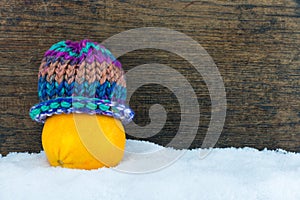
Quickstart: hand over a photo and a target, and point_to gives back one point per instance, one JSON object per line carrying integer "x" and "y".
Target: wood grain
{"x": 255, "y": 46}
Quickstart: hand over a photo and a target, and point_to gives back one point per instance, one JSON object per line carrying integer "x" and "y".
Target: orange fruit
{"x": 83, "y": 141}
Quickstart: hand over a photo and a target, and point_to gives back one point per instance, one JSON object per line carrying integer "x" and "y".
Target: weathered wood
{"x": 254, "y": 44}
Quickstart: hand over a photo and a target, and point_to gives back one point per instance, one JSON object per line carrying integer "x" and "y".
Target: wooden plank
{"x": 255, "y": 46}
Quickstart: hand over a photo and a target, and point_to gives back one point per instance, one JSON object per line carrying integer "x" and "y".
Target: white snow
{"x": 223, "y": 174}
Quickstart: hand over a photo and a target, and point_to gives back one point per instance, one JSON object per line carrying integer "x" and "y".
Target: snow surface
{"x": 223, "y": 174}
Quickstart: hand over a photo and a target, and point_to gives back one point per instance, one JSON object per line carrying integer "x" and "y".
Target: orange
{"x": 83, "y": 141}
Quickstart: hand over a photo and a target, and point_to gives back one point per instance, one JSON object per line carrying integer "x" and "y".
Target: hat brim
{"x": 67, "y": 105}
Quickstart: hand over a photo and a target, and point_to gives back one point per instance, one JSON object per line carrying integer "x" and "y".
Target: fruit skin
{"x": 67, "y": 142}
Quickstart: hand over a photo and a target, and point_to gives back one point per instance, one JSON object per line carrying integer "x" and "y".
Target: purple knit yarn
{"x": 76, "y": 47}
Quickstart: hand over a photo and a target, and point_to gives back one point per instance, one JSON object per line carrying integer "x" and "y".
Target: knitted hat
{"x": 81, "y": 77}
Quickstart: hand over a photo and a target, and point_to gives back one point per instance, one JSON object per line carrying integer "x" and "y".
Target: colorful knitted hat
{"x": 81, "y": 77}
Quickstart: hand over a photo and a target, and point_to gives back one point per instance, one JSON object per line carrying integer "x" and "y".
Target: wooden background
{"x": 255, "y": 45}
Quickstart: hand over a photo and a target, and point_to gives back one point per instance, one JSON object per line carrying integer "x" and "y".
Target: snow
{"x": 225, "y": 174}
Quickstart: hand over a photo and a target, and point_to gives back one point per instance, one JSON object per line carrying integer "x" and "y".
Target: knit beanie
{"x": 81, "y": 77}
